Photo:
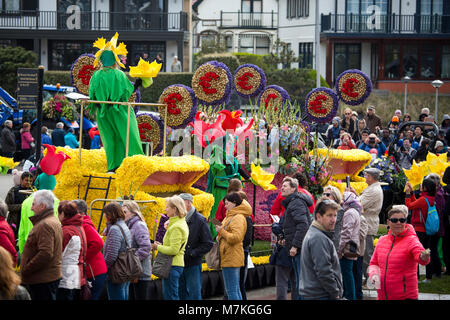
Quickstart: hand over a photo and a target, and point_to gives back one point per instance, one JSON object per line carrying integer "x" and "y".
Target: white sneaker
{"x": 426, "y": 281}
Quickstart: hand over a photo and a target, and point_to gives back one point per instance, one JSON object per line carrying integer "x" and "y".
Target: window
{"x": 428, "y": 61}
{"x": 297, "y": 8}
{"x": 346, "y": 56}
{"x": 445, "y": 62}
{"x": 251, "y": 6}
{"x": 410, "y": 61}
{"x": 392, "y": 61}
{"x": 63, "y": 53}
{"x": 254, "y": 43}
{"x": 428, "y": 7}
{"x": 305, "y": 54}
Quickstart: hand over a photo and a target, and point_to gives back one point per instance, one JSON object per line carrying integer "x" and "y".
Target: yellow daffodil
{"x": 145, "y": 71}
{"x": 262, "y": 178}
{"x": 415, "y": 174}
{"x": 437, "y": 164}
{"x": 112, "y": 46}
{"x": 7, "y": 164}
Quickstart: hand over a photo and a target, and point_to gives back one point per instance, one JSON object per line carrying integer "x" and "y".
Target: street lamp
{"x": 437, "y": 84}
{"x": 406, "y": 79}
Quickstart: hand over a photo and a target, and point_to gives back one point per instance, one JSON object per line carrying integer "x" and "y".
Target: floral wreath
{"x": 151, "y": 129}
{"x": 181, "y": 105}
{"x": 212, "y": 83}
{"x": 249, "y": 80}
{"x": 273, "y": 95}
{"x": 353, "y": 87}
{"x": 81, "y": 72}
{"x": 321, "y": 105}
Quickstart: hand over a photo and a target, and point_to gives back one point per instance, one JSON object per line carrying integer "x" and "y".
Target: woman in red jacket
{"x": 419, "y": 209}
{"x": 395, "y": 259}
{"x": 95, "y": 263}
{"x": 7, "y": 240}
{"x": 74, "y": 248}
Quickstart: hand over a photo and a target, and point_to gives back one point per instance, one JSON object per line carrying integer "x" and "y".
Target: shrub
{"x": 12, "y": 58}
{"x": 230, "y": 60}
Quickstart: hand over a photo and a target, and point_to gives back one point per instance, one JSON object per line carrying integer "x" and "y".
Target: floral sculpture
{"x": 321, "y": 105}
{"x": 434, "y": 164}
{"x": 81, "y": 72}
{"x": 212, "y": 83}
{"x": 7, "y": 164}
{"x": 57, "y": 107}
{"x": 181, "y": 105}
{"x": 273, "y": 96}
{"x": 353, "y": 87}
{"x": 249, "y": 80}
{"x": 151, "y": 129}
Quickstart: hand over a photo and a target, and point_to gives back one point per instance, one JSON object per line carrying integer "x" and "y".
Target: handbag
{"x": 162, "y": 264}
{"x": 85, "y": 290}
{"x": 212, "y": 257}
{"x": 350, "y": 250}
{"x": 127, "y": 266}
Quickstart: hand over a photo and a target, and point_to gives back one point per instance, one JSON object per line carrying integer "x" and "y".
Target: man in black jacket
{"x": 296, "y": 222}
{"x": 58, "y": 135}
{"x": 8, "y": 140}
{"x": 199, "y": 243}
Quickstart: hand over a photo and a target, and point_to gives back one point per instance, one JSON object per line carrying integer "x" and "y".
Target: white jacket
{"x": 70, "y": 269}
{"x": 372, "y": 201}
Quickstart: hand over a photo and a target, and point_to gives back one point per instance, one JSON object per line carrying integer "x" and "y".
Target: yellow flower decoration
{"x": 414, "y": 174}
{"x": 437, "y": 164}
{"x": 6, "y": 164}
{"x": 111, "y": 45}
{"x": 145, "y": 69}
{"x": 262, "y": 178}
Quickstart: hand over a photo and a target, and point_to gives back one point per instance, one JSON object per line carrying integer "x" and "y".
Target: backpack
{"x": 432, "y": 221}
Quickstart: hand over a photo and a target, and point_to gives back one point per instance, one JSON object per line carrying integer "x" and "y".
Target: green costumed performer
{"x": 109, "y": 83}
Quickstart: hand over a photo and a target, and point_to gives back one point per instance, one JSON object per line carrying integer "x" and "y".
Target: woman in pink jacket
{"x": 394, "y": 261}
{"x": 26, "y": 139}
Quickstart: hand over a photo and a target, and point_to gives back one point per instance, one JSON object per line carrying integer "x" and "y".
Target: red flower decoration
{"x": 52, "y": 162}
{"x": 316, "y": 104}
{"x": 85, "y": 74}
{"x": 205, "y": 82}
{"x": 348, "y": 87}
{"x": 243, "y": 81}
{"x": 171, "y": 101}
{"x": 270, "y": 96}
{"x": 142, "y": 128}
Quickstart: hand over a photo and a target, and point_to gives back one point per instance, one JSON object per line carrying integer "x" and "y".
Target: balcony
{"x": 385, "y": 24}
{"x": 87, "y": 21}
{"x": 248, "y": 20}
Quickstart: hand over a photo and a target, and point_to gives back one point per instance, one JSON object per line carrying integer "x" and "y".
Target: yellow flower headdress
{"x": 110, "y": 46}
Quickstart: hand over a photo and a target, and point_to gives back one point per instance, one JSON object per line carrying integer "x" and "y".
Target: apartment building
{"x": 244, "y": 25}
{"x": 61, "y": 30}
{"x": 386, "y": 39}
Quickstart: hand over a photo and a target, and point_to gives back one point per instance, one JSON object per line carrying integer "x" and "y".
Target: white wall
{"x": 47, "y": 5}
{"x": 175, "y": 6}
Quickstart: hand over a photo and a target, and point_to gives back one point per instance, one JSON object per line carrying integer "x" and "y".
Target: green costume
{"x": 25, "y": 224}
{"x": 111, "y": 84}
{"x": 45, "y": 182}
{"x": 219, "y": 176}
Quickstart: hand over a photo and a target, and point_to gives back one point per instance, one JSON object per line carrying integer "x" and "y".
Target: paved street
{"x": 6, "y": 182}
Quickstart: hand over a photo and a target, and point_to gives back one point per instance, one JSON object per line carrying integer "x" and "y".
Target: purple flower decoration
{"x": 249, "y": 80}
{"x": 148, "y": 132}
{"x": 353, "y": 87}
{"x": 81, "y": 72}
{"x": 210, "y": 87}
{"x": 321, "y": 105}
{"x": 181, "y": 103}
{"x": 271, "y": 93}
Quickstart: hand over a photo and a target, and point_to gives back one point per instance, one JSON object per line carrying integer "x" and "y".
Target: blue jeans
{"x": 347, "y": 278}
{"x": 171, "y": 284}
{"x": 296, "y": 267}
{"x": 117, "y": 291}
{"x": 358, "y": 274}
{"x": 97, "y": 285}
{"x": 191, "y": 283}
{"x": 231, "y": 281}
{"x": 44, "y": 291}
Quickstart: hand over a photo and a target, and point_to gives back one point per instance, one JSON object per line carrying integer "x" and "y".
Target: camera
{"x": 371, "y": 140}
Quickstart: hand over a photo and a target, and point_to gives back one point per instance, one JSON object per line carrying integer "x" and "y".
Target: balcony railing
{"x": 387, "y": 23}
{"x": 249, "y": 20}
{"x": 117, "y": 21}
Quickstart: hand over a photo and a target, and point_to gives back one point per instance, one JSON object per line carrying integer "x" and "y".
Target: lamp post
{"x": 406, "y": 79}
{"x": 437, "y": 84}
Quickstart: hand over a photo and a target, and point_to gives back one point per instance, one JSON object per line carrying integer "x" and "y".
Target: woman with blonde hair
{"x": 10, "y": 288}
{"x": 347, "y": 122}
{"x": 134, "y": 219}
{"x": 333, "y": 193}
{"x": 174, "y": 242}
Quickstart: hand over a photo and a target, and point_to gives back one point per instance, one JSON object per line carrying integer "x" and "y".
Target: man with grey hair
{"x": 199, "y": 243}
{"x": 296, "y": 223}
{"x": 7, "y": 239}
{"x": 42, "y": 255}
{"x": 373, "y": 121}
{"x": 8, "y": 140}
{"x": 58, "y": 135}
{"x": 372, "y": 202}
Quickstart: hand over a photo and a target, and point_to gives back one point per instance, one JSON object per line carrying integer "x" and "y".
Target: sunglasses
{"x": 395, "y": 220}
{"x": 327, "y": 194}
